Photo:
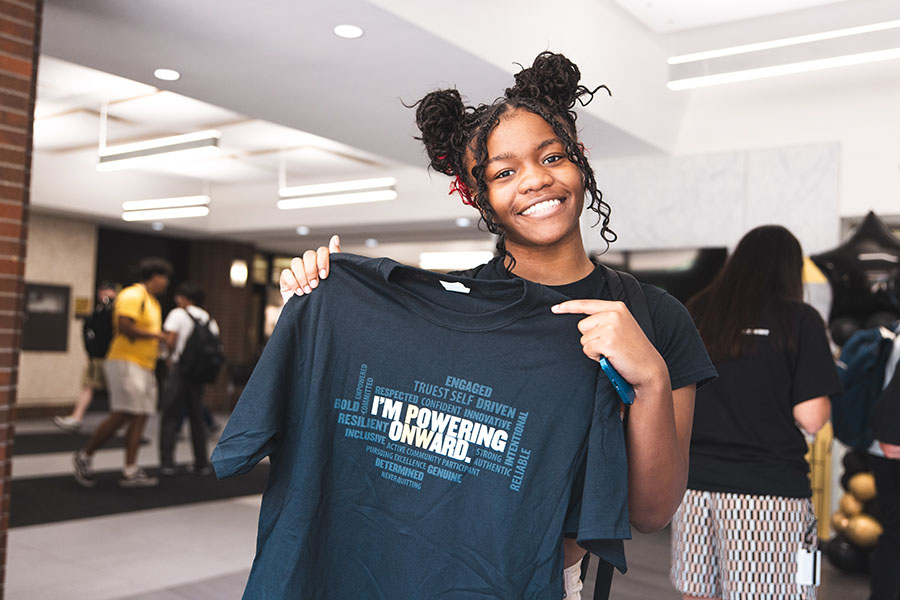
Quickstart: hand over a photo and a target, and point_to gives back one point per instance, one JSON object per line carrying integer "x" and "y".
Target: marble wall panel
{"x": 713, "y": 199}
{"x": 799, "y": 188}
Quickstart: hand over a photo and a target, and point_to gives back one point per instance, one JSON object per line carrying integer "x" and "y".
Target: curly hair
{"x": 548, "y": 88}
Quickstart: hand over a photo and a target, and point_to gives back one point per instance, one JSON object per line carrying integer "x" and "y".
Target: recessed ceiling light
{"x": 157, "y": 226}
{"x": 302, "y": 230}
{"x": 167, "y": 74}
{"x": 349, "y": 32}
{"x": 371, "y": 243}
{"x": 463, "y": 222}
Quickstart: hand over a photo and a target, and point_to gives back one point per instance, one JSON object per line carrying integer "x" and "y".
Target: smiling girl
{"x": 518, "y": 161}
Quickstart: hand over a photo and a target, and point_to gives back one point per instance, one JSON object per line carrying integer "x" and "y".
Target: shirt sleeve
{"x": 679, "y": 343}
{"x": 815, "y": 373}
{"x": 175, "y": 320}
{"x": 129, "y": 303}
{"x": 256, "y": 427}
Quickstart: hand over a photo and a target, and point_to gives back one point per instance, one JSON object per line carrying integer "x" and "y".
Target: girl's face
{"x": 536, "y": 192}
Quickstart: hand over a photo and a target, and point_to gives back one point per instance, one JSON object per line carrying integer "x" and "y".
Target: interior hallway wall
{"x": 714, "y": 199}
{"x": 61, "y": 251}
{"x": 853, "y": 106}
{"x": 20, "y": 35}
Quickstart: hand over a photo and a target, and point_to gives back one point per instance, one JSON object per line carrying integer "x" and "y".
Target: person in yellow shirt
{"x": 129, "y": 369}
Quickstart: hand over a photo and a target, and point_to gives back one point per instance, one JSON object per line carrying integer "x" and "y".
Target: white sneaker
{"x": 137, "y": 479}
{"x": 67, "y": 423}
{"x": 83, "y": 474}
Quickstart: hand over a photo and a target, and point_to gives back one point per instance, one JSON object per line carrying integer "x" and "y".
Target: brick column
{"x": 20, "y": 31}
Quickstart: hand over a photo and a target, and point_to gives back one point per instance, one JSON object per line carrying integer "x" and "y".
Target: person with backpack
{"x": 519, "y": 163}
{"x": 129, "y": 370}
{"x": 195, "y": 359}
{"x": 97, "y": 333}
{"x": 746, "y": 523}
{"x": 884, "y": 456}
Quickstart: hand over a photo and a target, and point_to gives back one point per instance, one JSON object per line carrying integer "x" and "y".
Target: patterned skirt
{"x": 741, "y": 547}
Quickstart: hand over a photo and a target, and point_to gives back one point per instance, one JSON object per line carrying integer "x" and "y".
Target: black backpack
{"x": 98, "y": 331}
{"x": 203, "y": 354}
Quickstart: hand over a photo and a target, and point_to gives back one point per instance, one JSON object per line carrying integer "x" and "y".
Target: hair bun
{"x": 552, "y": 79}
{"x": 439, "y": 116}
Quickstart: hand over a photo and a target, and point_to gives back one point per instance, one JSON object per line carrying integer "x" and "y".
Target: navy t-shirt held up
{"x": 426, "y": 433}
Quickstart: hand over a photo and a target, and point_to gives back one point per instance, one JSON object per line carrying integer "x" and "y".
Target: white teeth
{"x": 541, "y": 207}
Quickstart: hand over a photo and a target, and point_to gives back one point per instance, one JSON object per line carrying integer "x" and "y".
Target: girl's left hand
{"x": 610, "y": 330}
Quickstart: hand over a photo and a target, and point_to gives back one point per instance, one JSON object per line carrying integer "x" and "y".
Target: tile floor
{"x": 203, "y": 551}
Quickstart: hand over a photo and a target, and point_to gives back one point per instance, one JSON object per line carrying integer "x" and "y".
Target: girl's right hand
{"x": 304, "y": 275}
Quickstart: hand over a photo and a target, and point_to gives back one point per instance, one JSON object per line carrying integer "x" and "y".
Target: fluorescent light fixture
{"x": 302, "y": 230}
{"x": 463, "y": 221}
{"x": 787, "y": 69}
{"x": 348, "y": 32}
{"x": 371, "y": 243}
{"x": 165, "y": 208}
{"x": 336, "y": 199}
{"x": 165, "y": 203}
{"x": 165, "y": 213}
{"x": 453, "y": 261}
{"x": 199, "y": 143}
{"x": 167, "y": 74}
{"x": 791, "y": 41}
{"x": 786, "y": 56}
{"x": 338, "y": 186}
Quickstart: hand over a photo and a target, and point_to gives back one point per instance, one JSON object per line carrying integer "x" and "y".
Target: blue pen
{"x": 625, "y": 390}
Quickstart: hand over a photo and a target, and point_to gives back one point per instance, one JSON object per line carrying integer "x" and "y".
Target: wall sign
{"x": 46, "y": 323}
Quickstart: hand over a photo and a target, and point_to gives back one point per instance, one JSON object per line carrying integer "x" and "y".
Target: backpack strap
{"x": 623, "y": 287}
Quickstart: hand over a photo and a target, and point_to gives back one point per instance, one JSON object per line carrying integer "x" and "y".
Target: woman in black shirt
{"x": 746, "y": 523}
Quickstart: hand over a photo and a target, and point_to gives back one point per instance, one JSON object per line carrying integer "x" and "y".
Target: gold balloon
{"x": 839, "y": 521}
{"x": 849, "y": 505}
{"x": 863, "y": 530}
{"x": 862, "y": 485}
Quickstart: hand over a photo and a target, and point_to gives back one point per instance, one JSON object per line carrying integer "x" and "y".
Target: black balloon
{"x": 846, "y": 556}
{"x": 856, "y": 461}
{"x": 863, "y": 272}
{"x": 845, "y": 480}
{"x": 843, "y": 327}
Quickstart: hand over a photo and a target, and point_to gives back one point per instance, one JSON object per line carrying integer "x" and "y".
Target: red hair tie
{"x": 458, "y": 186}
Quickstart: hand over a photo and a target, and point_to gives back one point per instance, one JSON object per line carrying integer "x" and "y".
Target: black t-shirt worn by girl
{"x": 744, "y": 438}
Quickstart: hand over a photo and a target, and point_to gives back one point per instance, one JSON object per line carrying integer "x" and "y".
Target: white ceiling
{"x": 276, "y": 82}
{"x": 668, "y": 16}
